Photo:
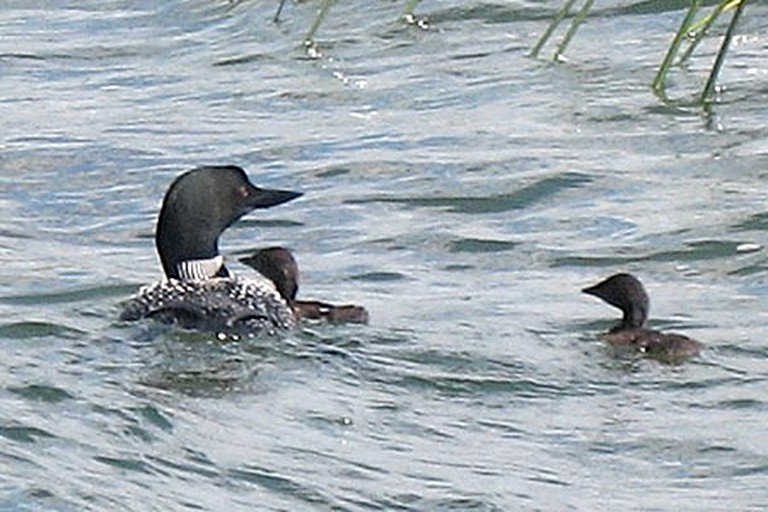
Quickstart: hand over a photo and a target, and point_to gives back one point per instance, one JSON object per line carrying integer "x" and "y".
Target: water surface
{"x": 461, "y": 191}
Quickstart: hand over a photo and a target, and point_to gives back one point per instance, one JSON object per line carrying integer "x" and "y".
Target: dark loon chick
{"x": 279, "y": 265}
{"x": 199, "y": 292}
{"x": 626, "y": 292}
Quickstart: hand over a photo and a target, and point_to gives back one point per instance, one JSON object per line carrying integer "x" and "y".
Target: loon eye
{"x": 243, "y": 191}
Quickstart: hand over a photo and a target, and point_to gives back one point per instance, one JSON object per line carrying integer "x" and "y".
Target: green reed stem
{"x": 410, "y": 6}
{"x": 709, "y": 89}
{"x": 575, "y": 23}
{"x": 551, "y": 28}
{"x": 698, "y": 30}
{"x": 659, "y": 82}
{"x": 324, "y": 8}
{"x": 280, "y": 6}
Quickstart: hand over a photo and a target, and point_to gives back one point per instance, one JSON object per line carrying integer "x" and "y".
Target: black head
{"x": 199, "y": 205}
{"x": 625, "y": 292}
{"x": 278, "y": 265}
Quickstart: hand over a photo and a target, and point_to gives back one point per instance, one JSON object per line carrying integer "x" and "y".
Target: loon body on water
{"x": 626, "y": 292}
{"x": 199, "y": 291}
{"x": 279, "y": 265}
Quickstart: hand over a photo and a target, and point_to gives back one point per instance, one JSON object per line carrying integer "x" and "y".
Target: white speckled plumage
{"x": 218, "y": 304}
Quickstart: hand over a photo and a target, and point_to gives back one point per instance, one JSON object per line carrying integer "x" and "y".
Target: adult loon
{"x": 199, "y": 291}
{"x": 626, "y": 292}
{"x": 279, "y": 265}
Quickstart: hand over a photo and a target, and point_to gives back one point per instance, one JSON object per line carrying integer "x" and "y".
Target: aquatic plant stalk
{"x": 551, "y": 28}
{"x": 324, "y": 8}
{"x": 659, "y": 82}
{"x": 709, "y": 89}
{"x": 280, "y": 6}
{"x": 698, "y": 30}
{"x": 575, "y": 23}
{"x": 410, "y": 6}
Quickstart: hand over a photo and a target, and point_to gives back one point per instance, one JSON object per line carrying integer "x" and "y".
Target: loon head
{"x": 279, "y": 266}
{"x": 199, "y": 205}
{"x": 625, "y": 292}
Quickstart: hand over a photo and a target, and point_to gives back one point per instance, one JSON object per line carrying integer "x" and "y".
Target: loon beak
{"x": 255, "y": 197}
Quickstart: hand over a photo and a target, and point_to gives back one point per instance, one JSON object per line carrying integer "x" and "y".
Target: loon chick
{"x": 279, "y": 265}
{"x": 199, "y": 292}
{"x": 626, "y": 292}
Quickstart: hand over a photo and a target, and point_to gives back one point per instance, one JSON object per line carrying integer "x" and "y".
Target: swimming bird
{"x": 199, "y": 291}
{"x": 627, "y": 293}
{"x": 279, "y": 265}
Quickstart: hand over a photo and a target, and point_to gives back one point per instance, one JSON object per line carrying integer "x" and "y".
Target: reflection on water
{"x": 460, "y": 191}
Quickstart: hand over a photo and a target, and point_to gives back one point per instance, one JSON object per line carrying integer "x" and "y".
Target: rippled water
{"x": 462, "y": 192}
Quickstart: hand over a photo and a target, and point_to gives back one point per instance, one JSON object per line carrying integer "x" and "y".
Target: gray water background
{"x": 461, "y": 191}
